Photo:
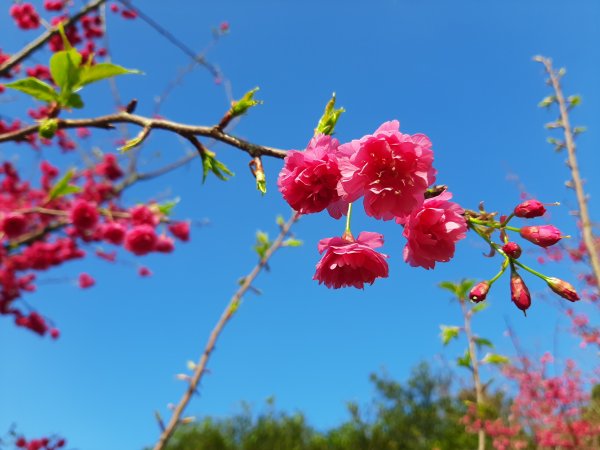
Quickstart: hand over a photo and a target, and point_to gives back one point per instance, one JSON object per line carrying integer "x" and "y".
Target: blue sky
{"x": 461, "y": 72}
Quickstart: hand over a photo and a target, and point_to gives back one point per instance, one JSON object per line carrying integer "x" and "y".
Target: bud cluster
{"x": 544, "y": 236}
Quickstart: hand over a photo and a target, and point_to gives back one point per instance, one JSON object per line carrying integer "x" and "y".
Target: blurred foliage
{"x": 421, "y": 414}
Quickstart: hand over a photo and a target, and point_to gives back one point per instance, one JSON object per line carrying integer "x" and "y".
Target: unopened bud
{"x": 519, "y": 293}
{"x": 562, "y": 288}
{"x": 479, "y": 291}
{"x": 544, "y": 235}
{"x": 512, "y": 249}
{"x": 530, "y": 209}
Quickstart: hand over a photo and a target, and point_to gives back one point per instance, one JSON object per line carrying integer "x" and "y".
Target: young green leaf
{"x": 480, "y": 307}
{"x": 449, "y": 286}
{"x": 101, "y": 71}
{"x": 448, "y": 333}
{"x": 493, "y": 358}
{"x": 483, "y": 342}
{"x": 62, "y": 186}
{"x": 329, "y": 118}
{"x": 211, "y": 164}
{"x": 73, "y": 101}
{"x": 35, "y": 88}
{"x": 291, "y": 242}
{"x": 465, "y": 360}
{"x": 243, "y": 104}
{"x": 65, "y": 69}
{"x": 166, "y": 208}
{"x": 48, "y": 128}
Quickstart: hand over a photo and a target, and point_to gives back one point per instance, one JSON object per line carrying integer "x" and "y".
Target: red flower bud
{"x": 562, "y": 288}
{"x": 479, "y": 291}
{"x": 519, "y": 293}
{"x": 13, "y": 225}
{"x": 512, "y": 249}
{"x": 544, "y": 235}
{"x": 529, "y": 209}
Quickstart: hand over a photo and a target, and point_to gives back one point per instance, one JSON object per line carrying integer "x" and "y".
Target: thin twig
{"x": 467, "y": 315}
{"x": 37, "y": 43}
{"x": 586, "y": 224}
{"x": 184, "y": 130}
{"x": 227, "y": 314}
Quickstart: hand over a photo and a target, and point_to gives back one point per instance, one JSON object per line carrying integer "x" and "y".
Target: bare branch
{"x": 586, "y": 224}
{"x": 184, "y": 130}
{"x": 228, "y": 313}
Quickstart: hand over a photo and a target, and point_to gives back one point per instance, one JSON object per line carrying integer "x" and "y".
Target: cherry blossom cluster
{"x": 391, "y": 172}
{"x": 45, "y": 443}
{"x": 553, "y": 411}
{"x": 89, "y": 214}
{"x": 485, "y": 224}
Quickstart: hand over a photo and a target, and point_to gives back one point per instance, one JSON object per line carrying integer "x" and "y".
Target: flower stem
{"x": 492, "y": 224}
{"x": 348, "y": 219}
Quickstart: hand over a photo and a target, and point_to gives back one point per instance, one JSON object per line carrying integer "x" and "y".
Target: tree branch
{"x": 227, "y": 314}
{"x": 586, "y": 224}
{"x": 45, "y": 37}
{"x": 108, "y": 121}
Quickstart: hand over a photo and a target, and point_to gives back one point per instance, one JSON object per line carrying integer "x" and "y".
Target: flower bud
{"x": 544, "y": 235}
{"x": 519, "y": 293}
{"x": 512, "y": 249}
{"x": 479, "y": 291}
{"x": 529, "y": 209}
{"x": 562, "y": 288}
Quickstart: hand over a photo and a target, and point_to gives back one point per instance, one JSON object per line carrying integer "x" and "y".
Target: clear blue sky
{"x": 460, "y": 71}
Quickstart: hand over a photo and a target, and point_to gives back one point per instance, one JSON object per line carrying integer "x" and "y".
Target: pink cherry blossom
{"x": 309, "y": 179}
{"x": 349, "y": 262}
{"x": 392, "y": 170}
{"x": 432, "y": 231}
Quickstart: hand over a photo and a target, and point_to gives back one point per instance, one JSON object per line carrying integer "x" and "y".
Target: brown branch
{"x": 479, "y": 400}
{"x": 586, "y": 224}
{"x": 108, "y": 121}
{"x": 227, "y": 314}
{"x": 45, "y": 37}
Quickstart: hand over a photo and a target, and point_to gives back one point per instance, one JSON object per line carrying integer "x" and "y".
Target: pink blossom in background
{"x": 309, "y": 179}
{"x": 86, "y": 281}
{"x": 432, "y": 231}
{"x": 392, "y": 170}
{"x": 351, "y": 263}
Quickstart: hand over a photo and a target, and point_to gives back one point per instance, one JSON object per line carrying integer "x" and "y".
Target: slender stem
{"x": 492, "y": 224}
{"x": 227, "y": 314}
{"x": 348, "y": 218}
{"x": 501, "y": 272}
{"x": 530, "y": 270}
{"x": 467, "y": 315}
{"x": 37, "y": 43}
{"x": 586, "y": 224}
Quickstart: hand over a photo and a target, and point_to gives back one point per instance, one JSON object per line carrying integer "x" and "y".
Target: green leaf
{"x": 574, "y": 100}
{"x": 211, "y": 164}
{"x": 166, "y": 208}
{"x": 35, "y": 88}
{"x": 280, "y": 221}
{"x": 465, "y": 360}
{"x": 65, "y": 69}
{"x": 132, "y": 143}
{"x": 261, "y": 182}
{"x": 329, "y": 118}
{"x": 449, "y": 286}
{"x": 547, "y": 101}
{"x": 291, "y": 242}
{"x": 483, "y": 342}
{"x": 448, "y": 333}
{"x": 494, "y": 358}
{"x": 579, "y": 130}
{"x": 480, "y": 307}
{"x": 246, "y": 102}
{"x": 62, "y": 186}
{"x": 101, "y": 71}
{"x": 73, "y": 101}
{"x": 463, "y": 288}
{"x": 262, "y": 243}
